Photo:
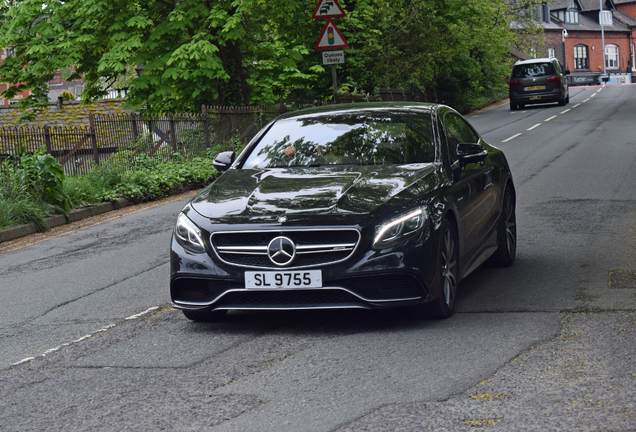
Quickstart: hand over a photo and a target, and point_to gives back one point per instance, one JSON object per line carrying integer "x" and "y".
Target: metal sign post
{"x": 330, "y": 38}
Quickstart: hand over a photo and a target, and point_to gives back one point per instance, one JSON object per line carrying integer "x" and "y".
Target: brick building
{"x": 580, "y": 49}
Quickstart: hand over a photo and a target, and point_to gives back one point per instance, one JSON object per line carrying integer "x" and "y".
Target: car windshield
{"x": 347, "y": 138}
{"x": 533, "y": 70}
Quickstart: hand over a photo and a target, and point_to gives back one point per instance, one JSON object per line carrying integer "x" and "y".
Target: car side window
{"x": 458, "y": 132}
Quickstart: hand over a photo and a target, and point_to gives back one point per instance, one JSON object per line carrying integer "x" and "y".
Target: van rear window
{"x": 533, "y": 70}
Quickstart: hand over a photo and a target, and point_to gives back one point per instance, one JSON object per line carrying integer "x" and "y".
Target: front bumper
{"x": 369, "y": 279}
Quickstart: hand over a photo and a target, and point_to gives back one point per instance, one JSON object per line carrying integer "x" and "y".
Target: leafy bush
{"x": 67, "y": 96}
{"x": 35, "y": 187}
{"x": 43, "y": 178}
{"x": 152, "y": 182}
{"x": 30, "y": 190}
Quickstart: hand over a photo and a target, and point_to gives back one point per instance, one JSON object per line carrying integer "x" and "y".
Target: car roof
{"x": 535, "y": 60}
{"x": 361, "y": 107}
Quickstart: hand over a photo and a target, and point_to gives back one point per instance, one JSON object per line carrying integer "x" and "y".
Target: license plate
{"x": 283, "y": 279}
{"x": 534, "y": 88}
{"x": 535, "y": 98}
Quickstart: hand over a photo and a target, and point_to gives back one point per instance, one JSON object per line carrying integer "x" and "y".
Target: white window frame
{"x": 605, "y": 17}
{"x": 581, "y": 52}
{"x": 572, "y": 17}
{"x": 612, "y": 56}
{"x": 631, "y": 48}
{"x": 551, "y": 53}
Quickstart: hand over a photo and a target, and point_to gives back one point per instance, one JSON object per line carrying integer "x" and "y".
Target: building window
{"x": 10, "y": 52}
{"x": 611, "y": 57}
{"x": 551, "y": 53}
{"x": 572, "y": 17}
{"x": 631, "y": 47}
{"x": 605, "y": 18}
{"x": 580, "y": 57}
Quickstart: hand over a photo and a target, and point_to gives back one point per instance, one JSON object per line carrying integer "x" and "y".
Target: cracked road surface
{"x": 89, "y": 342}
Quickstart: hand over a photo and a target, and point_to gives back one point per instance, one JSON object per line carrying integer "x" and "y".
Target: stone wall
{"x": 71, "y": 114}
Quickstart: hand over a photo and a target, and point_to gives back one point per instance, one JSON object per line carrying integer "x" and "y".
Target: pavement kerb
{"x": 58, "y": 220}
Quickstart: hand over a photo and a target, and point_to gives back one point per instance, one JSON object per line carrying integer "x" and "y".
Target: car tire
{"x": 506, "y": 232}
{"x": 521, "y": 106}
{"x": 205, "y": 316}
{"x": 513, "y": 107}
{"x": 447, "y": 277}
{"x": 567, "y": 98}
{"x": 562, "y": 101}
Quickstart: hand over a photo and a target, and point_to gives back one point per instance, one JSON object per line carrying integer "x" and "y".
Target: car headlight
{"x": 188, "y": 235}
{"x": 400, "y": 227}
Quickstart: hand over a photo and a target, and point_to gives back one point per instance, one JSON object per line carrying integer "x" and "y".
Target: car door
{"x": 474, "y": 187}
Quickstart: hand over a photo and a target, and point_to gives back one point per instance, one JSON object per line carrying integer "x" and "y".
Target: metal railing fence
{"x": 122, "y": 137}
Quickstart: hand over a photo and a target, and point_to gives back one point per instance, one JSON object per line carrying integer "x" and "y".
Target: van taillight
{"x": 555, "y": 78}
{"x": 515, "y": 83}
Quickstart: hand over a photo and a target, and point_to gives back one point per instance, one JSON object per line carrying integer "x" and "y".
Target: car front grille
{"x": 317, "y": 247}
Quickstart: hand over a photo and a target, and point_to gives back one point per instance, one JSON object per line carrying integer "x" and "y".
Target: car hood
{"x": 264, "y": 195}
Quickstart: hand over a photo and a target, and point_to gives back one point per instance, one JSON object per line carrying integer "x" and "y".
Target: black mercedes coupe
{"x": 348, "y": 206}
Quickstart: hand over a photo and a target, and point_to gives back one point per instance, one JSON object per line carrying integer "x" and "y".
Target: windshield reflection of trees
{"x": 363, "y": 141}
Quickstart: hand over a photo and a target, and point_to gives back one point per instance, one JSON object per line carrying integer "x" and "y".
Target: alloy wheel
{"x": 449, "y": 268}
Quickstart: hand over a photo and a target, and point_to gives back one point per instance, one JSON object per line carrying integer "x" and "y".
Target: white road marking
{"x": 511, "y": 138}
{"x": 101, "y": 330}
{"x": 553, "y": 117}
{"x": 576, "y": 105}
{"x": 563, "y": 112}
{"x": 537, "y": 125}
{"x": 28, "y": 359}
{"x": 586, "y": 100}
{"x": 132, "y": 317}
{"x": 593, "y": 95}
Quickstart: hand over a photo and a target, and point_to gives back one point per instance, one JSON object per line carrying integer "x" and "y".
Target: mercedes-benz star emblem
{"x": 281, "y": 251}
{"x": 282, "y": 219}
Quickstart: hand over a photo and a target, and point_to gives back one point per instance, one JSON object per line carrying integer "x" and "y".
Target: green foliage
{"x": 40, "y": 177}
{"x": 67, "y": 96}
{"x": 147, "y": 183}
{"x": 235, "y": 52}
{"x": 31, "y": 189}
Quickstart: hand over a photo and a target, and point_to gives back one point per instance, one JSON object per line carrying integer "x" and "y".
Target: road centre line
{"x": 101, "y": 330}
{"x": 537, "y": 125}
{"x": 511, "y": 138}
{"x": 553, "y": 117}
{"x": 593, "y": 94}
{"x": 576, "y": 105}
{"x": 586, "y": 100}
{"x": 132, "y": 317}
{"x": 563, "y": 112}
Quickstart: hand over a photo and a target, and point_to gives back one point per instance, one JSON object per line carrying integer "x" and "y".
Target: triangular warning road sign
{"x": 330, "y": 37}
{"x": 328, "y": 9}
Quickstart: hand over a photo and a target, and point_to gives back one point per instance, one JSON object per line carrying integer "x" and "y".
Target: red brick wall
{"x": 629, "y": 9}
{"x": 594, "y": 48}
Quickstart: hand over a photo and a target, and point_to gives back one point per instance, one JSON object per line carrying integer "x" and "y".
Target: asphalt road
{"x": 88, "y": 340}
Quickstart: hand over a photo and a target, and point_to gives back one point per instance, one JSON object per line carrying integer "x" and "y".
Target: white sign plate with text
{"x": 333, "y": 57}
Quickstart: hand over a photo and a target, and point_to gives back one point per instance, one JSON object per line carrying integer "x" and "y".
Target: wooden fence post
{"x": 91, "y": 122}
{"x": 173, "y": 133}
{"x": 206, "y": 132}
{"x": 133, "y": 119}
{"x": 47, "y": 140}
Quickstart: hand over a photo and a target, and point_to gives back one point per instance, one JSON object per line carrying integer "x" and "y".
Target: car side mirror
{"x": 223, "y": 160}
{"x": 471, "y": 153}
{"x": 567, "y": 72}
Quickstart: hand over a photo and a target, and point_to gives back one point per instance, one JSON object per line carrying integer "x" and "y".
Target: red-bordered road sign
{"x": 330, "y": 37}
{"x": 328, "y": 9}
